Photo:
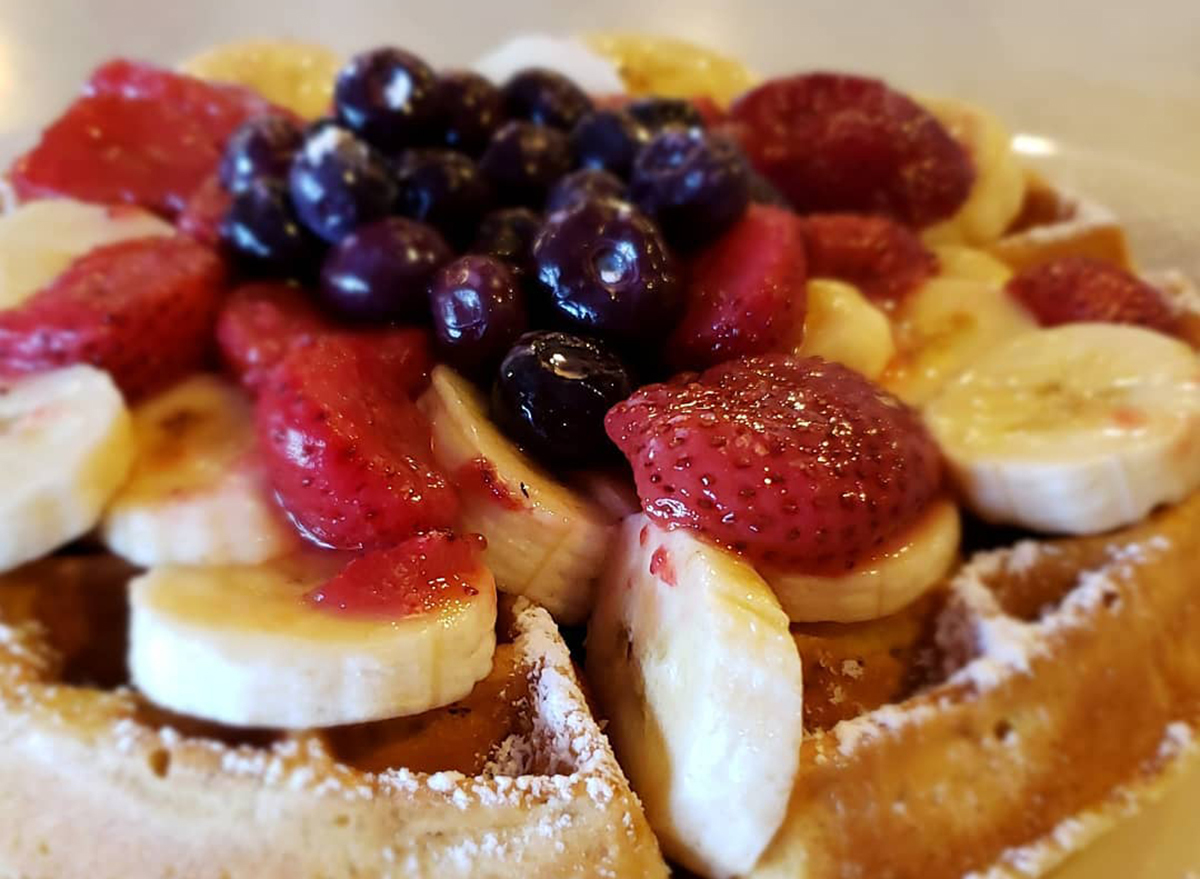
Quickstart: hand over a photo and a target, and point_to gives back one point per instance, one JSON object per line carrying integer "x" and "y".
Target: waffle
{"x": 516, "y": 780}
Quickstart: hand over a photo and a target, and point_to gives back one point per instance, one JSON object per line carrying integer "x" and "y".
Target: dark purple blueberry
{"x": 261, "y": 229}
{"x": 660, "y": 113}
{"x": 469, "y": 110}
{"x": 338, "y": 182}
{"x": 545, "y": 97}
{"x": 603, "y": 266}
{"x": 381, "y": 272}
{"x": 552, "y": 393}
{"x": 608, "y": 139}
{"x": 478, "y": 312}
{"x": 444, "y": 189}
{"x": 694, "y": 185}
{"x": 523, "y": 161}
{"x": 261, "y": 147}
{"x": 508, "y": 234}
{"x": 387, "y": 96}
{"x": 584, "y": 184}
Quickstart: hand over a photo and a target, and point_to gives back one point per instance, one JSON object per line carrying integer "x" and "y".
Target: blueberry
{"x": 581, "y": 185}
{"x": 262, "y": 231}
{"x": 261, "y": 147}
{"x": 387, "y": 96}
{"x": 603, "y": 266}
{"x": 444, "y": 189}
{"x": 338, "y": 182}
{"x": 608, "y": 139}
{"x": 658, "y": 114}
{"x": 508, "y": 234}
{"x": 381, "y": 272}
{"x": 545, "y": 97}
{"x": 478, "y": 312}
{"x": 763, "y": 191}
{"x": 693, "y": 184}
{"x": 523, "y": 160}
{"x": 552, "y": 393}
{"x": 468, "y": 111}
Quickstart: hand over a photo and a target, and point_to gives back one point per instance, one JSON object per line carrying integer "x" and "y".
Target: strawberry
{"x": 1072, "y": 289}
{"x": 142, "y": 309}
{"x": 202, "y": 215}
{"x": 883, "y": 259}
{"x": 349, "y": 457}
{"x": 796, "y": 462}
{"x": 833, "y": 142}
{"x": 140, "y": 135}
{"x": 746, "y": 293}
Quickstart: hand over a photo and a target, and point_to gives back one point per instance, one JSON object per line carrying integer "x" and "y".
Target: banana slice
{"x": 843, "y": 326}
{"x": 943, "y": 328}
{"x": 673, "y": 68}
{"x": 298, "y": 76}
{"x": 242, "y": 646}
{"x": 545, "y": 541}
{"x": 198, "y": 494}
{"x": 999, "y": 190}
{"x": 40, "y": 239}
{"x": 573, "y": 58}
{"x": 972, "y": 264}
{"x": 692, "y": 662}
{"x": 879, "y": 587}
{"x": 66, "y": 445}
{"x": 1077, "y": 429}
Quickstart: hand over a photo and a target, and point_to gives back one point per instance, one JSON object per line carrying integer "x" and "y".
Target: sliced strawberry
{"x": 140, "y": 135}
{"x": 1073, "y": 289}
{"x": 202, "y": 215}
{"x": 349, "y": 458}
{"x": 797, "y": 462}
{"x": 833, "y": 142}
{"x": 746, "y": 292}
{"x": 142, "y": 309}
{"x": 883, "y": 259}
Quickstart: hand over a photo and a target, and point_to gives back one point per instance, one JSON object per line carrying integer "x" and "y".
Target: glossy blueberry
{"x": 381, "y": 272}
{"x": 552, "y": 392}
{"x": 693, "y": 184}
{"x": 468, "y": 110}
{"x": 387, "y": 96}
{"x": 478, "y": 312}
{"x": 338, "y": 182}
{"x": 523, "y": 161}
{"x": 584, "y": 184}
{"x": 545, "y": 97}
{"x": 660, "y": 113}
{"x": 261, "y": 147}
{"x": 262, "y": 231}
{"x": 608, "y": 139}
{"x": 508, "y": 234}
{"x": 603, "y": 266}
{"x": 444, "y": 189}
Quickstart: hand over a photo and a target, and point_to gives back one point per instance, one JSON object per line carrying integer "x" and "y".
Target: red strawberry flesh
{"x": 799, "y": 463}
{"x": 1072, "y": 289}
{"x": 883, "y": 259}
{"x": 202, "y": 215}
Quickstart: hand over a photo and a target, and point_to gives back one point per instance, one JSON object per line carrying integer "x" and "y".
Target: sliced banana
{"x": 571, "y": 57}
{"x": 943, "y": 328}
{"x": 66, "y": 445}
{"x": 881, "y": 586}
{"x": 298, "y": 76}
{"x": 545, "y": 541}
{"x": 842, "y": 325}
{"x": 692, "y": 662}
{"x": 198, "y": 494}
{"x": 670, "y": 67}
{"x": 1076, "y": 430}
{"x": 40, "y": 239}
{"x": 972, "y": 264}
{"x": 242, "y": 646}
{"x": 999, "y": 190}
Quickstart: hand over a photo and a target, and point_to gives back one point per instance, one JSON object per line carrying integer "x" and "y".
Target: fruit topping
{"x": 444, "y": 189}
{"x": 747, "y": 292}
{"x": 834, "y": 142}
{"x": 297, "y": 76}
{"x": 604, "y": 267}
{"x": 205, "y": 211}
{"x": 545, "y": 97}
{"x": 693, "y": 184}
{"x": 659, "y": 113}
{"x": 796, "y": 462}
{"x": 608, "y": 139}
{"x": 478, "y": 313}
{"x": 508, "y": 235}
{"x": 141, "y": 309}
{"x": 883, "y": 259}
{"x": 261, "y": 147}
{"x": 468, "y": 110}
{"x": 552, "y": 393}
{"x": 339, "y": 182}
{"x": 388, "y": 96}
{"x": 1073, "y": 289}
{"x": 349, "y": 456}
{"x": 582, "y": 185}
{"x": 523, "y": 161}
{"x": 261, "y": 229}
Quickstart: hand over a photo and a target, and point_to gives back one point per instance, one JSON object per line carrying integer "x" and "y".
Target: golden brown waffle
{"x": 514, "y": 781}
